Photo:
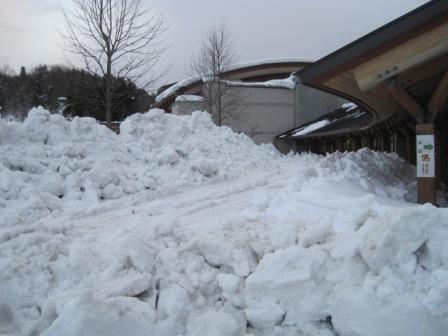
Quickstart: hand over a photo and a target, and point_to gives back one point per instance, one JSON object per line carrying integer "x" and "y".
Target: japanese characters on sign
{"x": 425, "y": 156}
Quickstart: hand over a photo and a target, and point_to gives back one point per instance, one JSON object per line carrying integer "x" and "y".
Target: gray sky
{"x": 260, "y": 28}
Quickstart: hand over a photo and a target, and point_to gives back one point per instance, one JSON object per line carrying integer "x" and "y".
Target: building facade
{"x": 270, "y": 99}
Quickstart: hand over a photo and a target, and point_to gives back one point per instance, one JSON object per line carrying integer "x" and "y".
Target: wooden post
{"x": 438, "y": 156}
{"x": 426, "y": 164}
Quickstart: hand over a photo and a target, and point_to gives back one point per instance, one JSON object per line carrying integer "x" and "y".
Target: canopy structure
{"x": 397, "y": 69}
{"x": 399, "y": 74}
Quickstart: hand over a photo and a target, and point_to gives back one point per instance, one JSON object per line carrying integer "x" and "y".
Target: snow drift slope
{"x": 303, "y": 245}
{"x": 48, "y": 164}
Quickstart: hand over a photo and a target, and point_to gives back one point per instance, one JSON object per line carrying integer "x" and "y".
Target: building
{"x": 271, "y": 100}
{"x": 398, "y": 76}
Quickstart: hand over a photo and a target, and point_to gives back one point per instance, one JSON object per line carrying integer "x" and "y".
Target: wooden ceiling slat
{"x": 422, "y": 72}
{"x": 407, "y": 102}
{"x": 439, "y": 101}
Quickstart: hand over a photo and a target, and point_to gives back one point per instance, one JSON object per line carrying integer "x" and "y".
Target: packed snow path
{"x": 303, "y": 245}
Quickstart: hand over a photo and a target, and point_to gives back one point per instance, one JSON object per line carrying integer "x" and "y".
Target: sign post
{"x": 426, "y": 164}
{"x": 425, "y": 156}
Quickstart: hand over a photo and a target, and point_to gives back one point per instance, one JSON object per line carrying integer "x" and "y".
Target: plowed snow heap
{"x": 48, "y": 163}
{"x": 179, "y": 227}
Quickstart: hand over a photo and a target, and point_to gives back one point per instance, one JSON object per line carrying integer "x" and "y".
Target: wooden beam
{"x": 407, "y": 102}
{"x": 422, "y": 72}
{"x": 439, "y": 101}
{"x": 411, "y": 53}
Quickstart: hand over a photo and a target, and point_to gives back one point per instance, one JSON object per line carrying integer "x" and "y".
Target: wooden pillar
{"x": 438, "y": 156}
{"x": 386, "y": 141}
{"x": 444, "y": 156}
{"x": 426, "y": 164}
{"x": 356, "y": 142}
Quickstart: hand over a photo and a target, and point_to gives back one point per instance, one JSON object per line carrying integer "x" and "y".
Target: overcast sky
{"x": 261, "y": 29}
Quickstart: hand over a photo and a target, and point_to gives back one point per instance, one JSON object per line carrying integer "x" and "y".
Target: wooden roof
{"x": 399, "y": 69}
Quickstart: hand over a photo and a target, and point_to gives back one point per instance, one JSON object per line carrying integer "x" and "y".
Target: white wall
{"x": 267, "y": 112}
{"x": 186, "y": 107}
{"x": 312, "y": 104}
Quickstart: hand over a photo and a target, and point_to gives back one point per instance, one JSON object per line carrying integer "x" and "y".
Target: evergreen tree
{"x": 3, "y": 93}
{"x": 80, "y": 92}
{"x": 40, "y": 92}
{"x": 22, "y": 72}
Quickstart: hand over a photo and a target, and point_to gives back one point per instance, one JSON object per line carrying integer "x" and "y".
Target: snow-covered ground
{"x": 178, "y": 227}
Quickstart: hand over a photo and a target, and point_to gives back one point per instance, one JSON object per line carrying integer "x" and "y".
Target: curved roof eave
{"x": 368, "y": 46}
{"x": 239, "y": 69}
{"x": 334, "y": 73}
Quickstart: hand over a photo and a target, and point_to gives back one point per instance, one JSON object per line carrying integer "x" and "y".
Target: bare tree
{"x": 221, "y": 99}
{"x": 116, "y": 39}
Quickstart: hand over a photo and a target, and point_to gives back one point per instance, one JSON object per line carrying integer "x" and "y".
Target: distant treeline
{"x": 68, "y": 91}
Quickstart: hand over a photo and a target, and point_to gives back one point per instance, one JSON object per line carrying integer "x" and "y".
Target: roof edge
{"x": 364, "y": 46}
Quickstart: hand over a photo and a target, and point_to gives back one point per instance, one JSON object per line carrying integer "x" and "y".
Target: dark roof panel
{"x": 349, "y": 117}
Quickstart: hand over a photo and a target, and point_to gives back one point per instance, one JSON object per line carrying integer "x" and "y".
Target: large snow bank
{"x": 302, "y": 245}
{"x": 49, "y": 164}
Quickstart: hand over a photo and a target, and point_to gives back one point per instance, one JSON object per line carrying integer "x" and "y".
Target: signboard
{"x": 425, "y": 156}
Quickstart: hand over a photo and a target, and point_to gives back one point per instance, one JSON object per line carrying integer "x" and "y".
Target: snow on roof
{"x": 190, "y": 80}
{"x": 189, "y": 98}
{"x": 173, "y": 88}
{"x": 287, "y": 83}
{"x": 268, "y": 61}
{"x": 312, "y": 127}
{"x": 349, "y": 106}
{"x": 352, "y": 112}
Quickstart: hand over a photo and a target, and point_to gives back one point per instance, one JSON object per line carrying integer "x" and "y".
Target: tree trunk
{"x": 108, "y": 97}
{"x": 219, "y": 105}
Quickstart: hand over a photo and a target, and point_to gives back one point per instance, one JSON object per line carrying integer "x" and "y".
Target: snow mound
{"x": 49, "y": 164}
{"x": 105, "y": 234}
{"x": 356, "y": 173}
{"x": 387, "y": 278}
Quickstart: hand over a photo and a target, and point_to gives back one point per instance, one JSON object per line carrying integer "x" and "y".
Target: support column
{"x": 426, "y": 164}
{"x": 438, "y": 155}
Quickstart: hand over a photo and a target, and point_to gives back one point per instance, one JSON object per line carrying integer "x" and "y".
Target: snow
{"x": 189, "y": 98}
{"x": 273, "y": 83}
{"x": 175, "y": 87}
{"x": 268, "y": 61}
{"x": 202, "y": 232}
{"x": 349, "y": 106}
{"x": 287, "y": 83}
{"x": 312, "y": 127}
{"x": 49, "y": 163}
{"x": 324, "y": 122}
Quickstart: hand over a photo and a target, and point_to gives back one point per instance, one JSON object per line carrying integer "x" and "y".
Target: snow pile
{"x": 302, "y": 245}
{"x": 382, "y": 274}
{"x": 358, "y": 173}
{"x": 49, "y": 164}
